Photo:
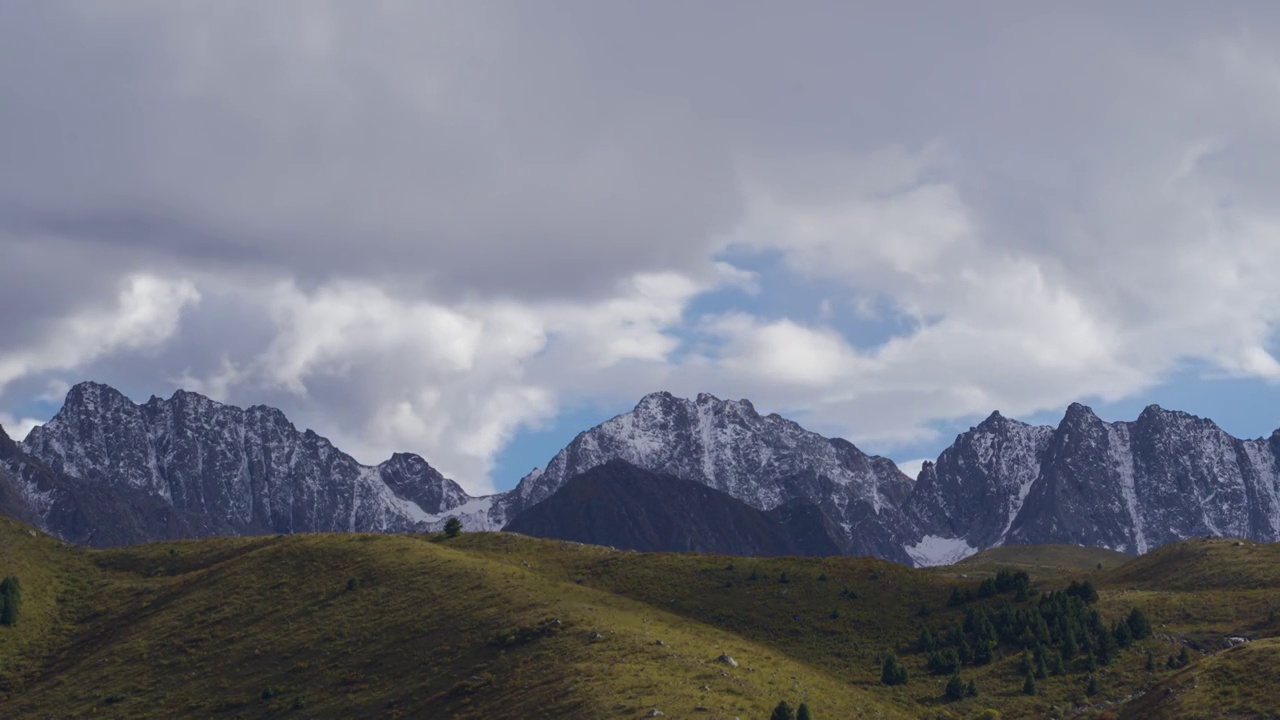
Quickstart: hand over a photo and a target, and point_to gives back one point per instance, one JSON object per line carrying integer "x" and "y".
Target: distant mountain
{"x": 620, "y": 505}
{"x": 1128, "y": 486}
{"x": 106, "y": 470}
{"x": 239, "y": 471}
{"x": 763, "y": 460}
{"x": 87, "y": 513}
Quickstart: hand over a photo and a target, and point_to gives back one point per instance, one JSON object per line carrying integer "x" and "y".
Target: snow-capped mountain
{"x": 251, "y": 470}
{"x": 1128, "y": 486}
{"x": 106, "y": 470}
{"x": 762, "y": 460}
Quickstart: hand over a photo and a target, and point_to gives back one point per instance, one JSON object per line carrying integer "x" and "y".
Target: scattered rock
{"x": 724, "y": 658}
{"x": 706, "y": 688}
{"x": 659, "y": 642}
{"x": 32, "y": 533}
{"x": 596, "y": 636}
{"x": 655, "y": 713}
{"x": 1230, "y": 642}
{"x": 1239, "y": 544}
{"x": 700, "y": 708}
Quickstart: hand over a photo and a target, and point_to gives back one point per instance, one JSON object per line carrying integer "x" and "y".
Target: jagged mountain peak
{"x": 89, "y": 394}
{"x": 251, "y": 470}
{"x": 1155, "y": 414}
{"x": 1127, "y": 485}
{"x": 728, "y": 446}
{"x": 8, "y": 448}
{"x": 1079, "y": 413}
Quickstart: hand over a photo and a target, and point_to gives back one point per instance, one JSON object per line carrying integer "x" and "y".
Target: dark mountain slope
{"x": 620, "y": 505}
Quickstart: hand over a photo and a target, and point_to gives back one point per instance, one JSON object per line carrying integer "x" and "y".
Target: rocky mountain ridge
{"x": 1130, "y": 486}
{"x": 249, "y": 471}
{"x": 622, "y": 506}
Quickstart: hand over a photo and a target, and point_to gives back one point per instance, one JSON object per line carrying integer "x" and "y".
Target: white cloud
{"x": 145, "y": 314}
{"x": 410, "y": 249}
{"x": 453, "y": 382}
{"x": 911, "y": 468}
{"x": 17, "y": 427}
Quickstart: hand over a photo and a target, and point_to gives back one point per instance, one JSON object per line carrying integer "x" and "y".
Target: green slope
{"x": 1237, "y": 683}
{"x": 494, "y": 625}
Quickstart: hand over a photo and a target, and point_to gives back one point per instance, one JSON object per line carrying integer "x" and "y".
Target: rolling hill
{"x": 500, "y": 625}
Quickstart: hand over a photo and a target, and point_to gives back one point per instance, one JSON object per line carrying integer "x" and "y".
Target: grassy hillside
{"x": 1041, "y": 561}
{"x": 495, "y": 625}
{"x": 1237, "y": 683}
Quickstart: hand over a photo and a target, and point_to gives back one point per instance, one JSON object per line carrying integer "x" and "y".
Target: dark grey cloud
{"x": 1091, "y": 178}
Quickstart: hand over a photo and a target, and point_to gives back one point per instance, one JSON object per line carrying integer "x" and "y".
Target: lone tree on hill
{"x": 10, "y": 600}
{"x": 783, "y": 712}
{"x": 452, "y": 527}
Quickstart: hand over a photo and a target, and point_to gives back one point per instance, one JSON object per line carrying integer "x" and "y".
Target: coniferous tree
{"x": 1092, "y": 688}
{"x": 452, "y": 527}
{"x": 1059, "y": 667}
{"x": 984, "y": 652}
{"x": 1024, "y": 664}
{"x": 955, "y": 688}
{"x": 1042, "y": 671}
{"x": 802, "y": 712}
{"x": 1069, "y": 646}
{"x": 1139, "y": 625}
{"x": 964, "y": 652}
{"x": 1184, "y": 657}
{"x": 783, "y": 711}
{"x": 10, "y": 600}
{"x": 1107, "y": 648}
{"x": 926, "y": 643}
{"x": 892, "y": 673}
{"x": 972, "y": 689}
{"x": 1151, "y": 662}
{"x": 944, "y": 662}
{"x": 1123, "y": 634}
{"x": 1029, "y": 685}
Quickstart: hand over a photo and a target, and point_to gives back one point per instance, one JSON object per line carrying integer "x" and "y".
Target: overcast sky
{"x": 471, "y": 229}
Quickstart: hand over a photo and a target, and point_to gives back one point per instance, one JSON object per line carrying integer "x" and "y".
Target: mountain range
{"x": 672, "y": 474}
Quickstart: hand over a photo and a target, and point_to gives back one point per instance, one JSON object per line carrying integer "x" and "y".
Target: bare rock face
{"x": 764, "y": 461}
{"x": 106, "y": 471}
{"x": 243, "y": 471}
{"x": 1128, "y": 486}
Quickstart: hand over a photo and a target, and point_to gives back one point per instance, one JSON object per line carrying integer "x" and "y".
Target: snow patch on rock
{"x": 933, "y": 550}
